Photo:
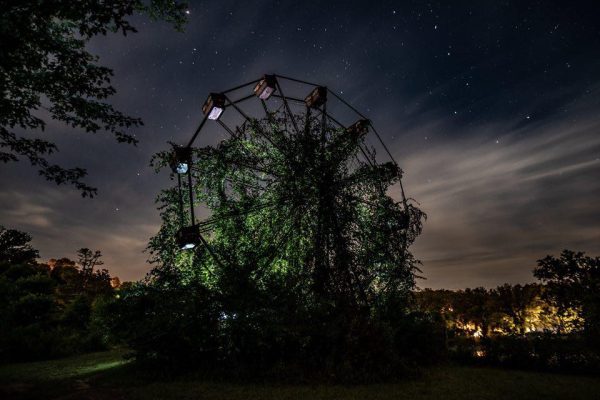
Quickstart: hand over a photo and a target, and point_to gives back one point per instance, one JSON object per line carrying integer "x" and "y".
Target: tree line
{"x": 65, "y": 306}
{"x": 50, "y": 309}
{"x": 551, "y": 324}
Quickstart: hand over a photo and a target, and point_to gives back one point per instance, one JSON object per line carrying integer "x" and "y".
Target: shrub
{"x": 539, "y": 351}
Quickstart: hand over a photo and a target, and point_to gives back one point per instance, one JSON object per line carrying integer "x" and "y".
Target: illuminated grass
{"x": 66, "y": 368}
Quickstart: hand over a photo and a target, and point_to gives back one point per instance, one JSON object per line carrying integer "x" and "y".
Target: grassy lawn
{"x": 107, "y": 376}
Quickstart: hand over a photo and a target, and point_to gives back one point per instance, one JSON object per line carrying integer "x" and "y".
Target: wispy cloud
{"x": 499, "y": 200}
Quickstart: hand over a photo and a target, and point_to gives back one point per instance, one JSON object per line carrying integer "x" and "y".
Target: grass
{"x": 107, "y": 376}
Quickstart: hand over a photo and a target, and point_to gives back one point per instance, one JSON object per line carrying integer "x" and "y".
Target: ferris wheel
{"x": 288, "y": 143}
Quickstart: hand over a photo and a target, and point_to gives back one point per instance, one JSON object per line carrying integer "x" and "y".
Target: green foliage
{"x": 48, "y": 310}
{"x": 46, "y": 71}
{"x": 539, "y": 351}
{"x": 307, "y": 267}
{"x": 573, "y": 281}
{"x": 296, "y": 207}
{"x": 524, "y": 326}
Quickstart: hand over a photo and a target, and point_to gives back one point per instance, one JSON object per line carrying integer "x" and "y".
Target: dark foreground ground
{"x": 107, "y": 376}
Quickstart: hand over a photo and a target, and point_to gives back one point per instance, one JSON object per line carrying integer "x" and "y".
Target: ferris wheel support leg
{"x": 324, "y": 125}
{"x": 181, "y": 219}
{"x": 212, "y": 253}
{"x": 191, "y": 192}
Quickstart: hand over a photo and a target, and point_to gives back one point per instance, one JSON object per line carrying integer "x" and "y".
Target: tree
{"x": 307, "y": 255}
{"x": 517, "y": 302}
{"x": 302, "y": 205}
{"x": 89, "y": 259}
{"x": 573, "y": 282}
{"x": 15, "y": 247}
{"x": 474, "y": 310}
{"x": 47, "y": 72}
{"x": 68, "y": 277}
{"x": 44, "y": 312}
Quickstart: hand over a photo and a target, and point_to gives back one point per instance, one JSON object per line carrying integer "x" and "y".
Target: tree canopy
{"x": 46, "y": 72}
{"x": 301, "y": 207}
{"x": 306, "y": 262}
{"x": 573, "y": 281}
{"x": 15, "y": 247}
{"x": 49, "y": 309}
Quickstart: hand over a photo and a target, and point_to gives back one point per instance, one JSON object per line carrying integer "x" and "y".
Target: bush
{"x": 539, "y": 351}
{"x": 181, "y": 327}
{"x": 39, "y": 319}
{"x": 166, "y": 328}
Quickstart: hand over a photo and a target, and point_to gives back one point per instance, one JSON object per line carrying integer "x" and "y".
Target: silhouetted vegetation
{"x": 306, "y": 270}
{"x": 48, "y": 310}
{"x": 45, "y": 64}
{"x": 174, "y": 322}
{"x": 551, "y": 326}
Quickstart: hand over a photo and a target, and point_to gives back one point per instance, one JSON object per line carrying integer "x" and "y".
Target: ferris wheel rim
{"x": 218, "y": 102}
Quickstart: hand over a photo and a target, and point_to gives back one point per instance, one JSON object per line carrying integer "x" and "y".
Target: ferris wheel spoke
{"x": 244, "y": 159}
{"x": 364, "y": 151}
{"x": 376, "y": 134}
{"x": 252, "y": 168}
{"x": 394, "y": 161}
{"x": 256, "y": 125}
{"x": 287, "y": 108}
{"x": 338, "y": 123}
{"x": 346, "y": 104}
{"x": 241, "y": 100}
{"x": 197, "y": 131}
{"x": 209, "y": 224}
{"x": 255, "y": 167}
{"x": 284, "y": 239}
{"x": 227, "y": 128}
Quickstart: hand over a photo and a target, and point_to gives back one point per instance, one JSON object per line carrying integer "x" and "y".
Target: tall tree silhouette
{"x": 573, "y": 281}
{"x": 15, "y": 247}
{"x": 88, "y": 260}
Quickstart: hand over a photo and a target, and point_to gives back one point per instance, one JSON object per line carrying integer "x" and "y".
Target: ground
{"x": 107, "y": 376}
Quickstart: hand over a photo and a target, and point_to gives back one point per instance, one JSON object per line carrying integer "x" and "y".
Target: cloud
{"x": 500, "y": 189}
{"x": 502, "y": 198}
{"x": 20, "y": 209}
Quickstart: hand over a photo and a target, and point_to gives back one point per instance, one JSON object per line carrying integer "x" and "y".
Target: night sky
{"x": 491, "y": 108}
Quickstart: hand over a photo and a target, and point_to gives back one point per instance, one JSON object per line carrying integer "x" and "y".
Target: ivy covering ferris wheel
{"x": 292, "y": 188}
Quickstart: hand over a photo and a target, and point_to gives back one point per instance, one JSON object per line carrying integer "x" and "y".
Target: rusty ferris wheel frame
{"x": 265, "y": 88}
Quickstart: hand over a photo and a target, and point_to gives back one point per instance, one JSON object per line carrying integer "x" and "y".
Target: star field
{"x": 491, "y": 108}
